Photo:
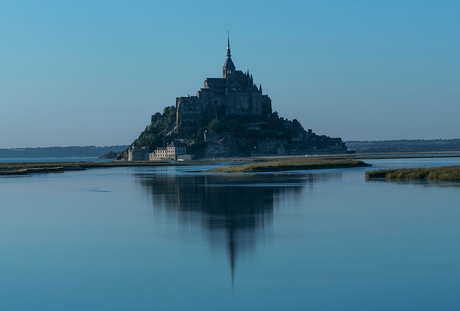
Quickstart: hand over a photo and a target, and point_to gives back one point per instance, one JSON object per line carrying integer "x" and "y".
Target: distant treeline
{"x": 59, "y": 152}
{"x": 416, "y": 145}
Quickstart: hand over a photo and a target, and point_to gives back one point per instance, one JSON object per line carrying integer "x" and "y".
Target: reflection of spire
{"x": 231, "y": 248}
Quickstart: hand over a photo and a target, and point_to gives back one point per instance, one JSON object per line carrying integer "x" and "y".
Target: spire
{"x": 229, "y": 67}
{"x": 228, "y": 45}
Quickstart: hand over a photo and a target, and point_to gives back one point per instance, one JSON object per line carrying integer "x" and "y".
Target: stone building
{"x": 158, "y": 154}
{"x": 137, "y": 154}
{"x": 271, "y": 146}
{"x": 234, "y": 93}
{"x": 173, "y": 151}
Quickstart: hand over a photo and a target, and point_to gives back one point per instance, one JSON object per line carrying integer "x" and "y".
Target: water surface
{"x": 152, "y": 238}
{"x": 34, "y": 160}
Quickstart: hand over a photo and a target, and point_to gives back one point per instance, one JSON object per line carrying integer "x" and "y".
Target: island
{"x": 230, "y": 116}
{"x": 288, "y": 165}
{"x": 447, "y": 173}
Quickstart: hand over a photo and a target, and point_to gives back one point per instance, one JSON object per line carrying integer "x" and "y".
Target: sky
{"x": 78, "y": 73}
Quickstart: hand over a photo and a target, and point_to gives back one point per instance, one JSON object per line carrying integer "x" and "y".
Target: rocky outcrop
{"x": 110, "y": 155}
{"x": 220, "y": 146}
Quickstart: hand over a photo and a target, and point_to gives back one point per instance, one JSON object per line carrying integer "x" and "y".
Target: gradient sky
{"x": 93, "y": 72}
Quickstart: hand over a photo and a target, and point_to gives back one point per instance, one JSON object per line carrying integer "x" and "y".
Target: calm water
{"x": 172, "y": 239}
{"x": 13, "y": 160}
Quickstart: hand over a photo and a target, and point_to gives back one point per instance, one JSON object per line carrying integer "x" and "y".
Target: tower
{"x": 229, "y": 67}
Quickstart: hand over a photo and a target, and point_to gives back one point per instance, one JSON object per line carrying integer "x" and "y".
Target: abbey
{"x": 229, "y": 116}
{"x": 234, "y": 93}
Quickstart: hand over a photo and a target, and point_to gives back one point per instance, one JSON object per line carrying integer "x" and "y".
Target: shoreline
{"x": 260, "y": 164}
{"x": 24, "y": 168}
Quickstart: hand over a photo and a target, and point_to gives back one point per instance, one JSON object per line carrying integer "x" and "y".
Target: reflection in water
{"x": 235, "y": 204}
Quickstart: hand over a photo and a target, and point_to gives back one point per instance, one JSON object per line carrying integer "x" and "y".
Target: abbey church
{"x": 234, "y": 93}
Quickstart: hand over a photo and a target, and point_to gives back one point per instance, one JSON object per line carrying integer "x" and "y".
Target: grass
{"x": 50, "y": 167}
{"x": 431, "y": 173}
{"x": 288, "y": 165}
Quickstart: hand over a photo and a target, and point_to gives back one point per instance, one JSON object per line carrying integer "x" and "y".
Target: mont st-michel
{"x": 229, "y": 117}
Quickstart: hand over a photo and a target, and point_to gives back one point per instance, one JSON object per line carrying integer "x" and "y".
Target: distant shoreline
{"x": 59, "y": 152}
{"x": 404, "y": 145}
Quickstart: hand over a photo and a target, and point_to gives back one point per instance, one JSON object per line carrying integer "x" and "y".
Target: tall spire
{"x": 228, "y": 45}
{"x": 229, "y": 67}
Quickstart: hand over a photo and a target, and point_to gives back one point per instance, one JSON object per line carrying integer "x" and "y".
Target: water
{"x": 170, "y": 239}
{"x": 34, "y": 160}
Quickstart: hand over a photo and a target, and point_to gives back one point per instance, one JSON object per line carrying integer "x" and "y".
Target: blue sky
{"x": 93, "y": 72}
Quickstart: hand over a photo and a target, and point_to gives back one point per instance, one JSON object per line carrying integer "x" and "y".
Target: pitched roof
{"x": 229, "y": 63}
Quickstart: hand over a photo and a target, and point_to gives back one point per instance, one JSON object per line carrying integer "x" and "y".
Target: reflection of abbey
{"x": 234, "y": 93}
